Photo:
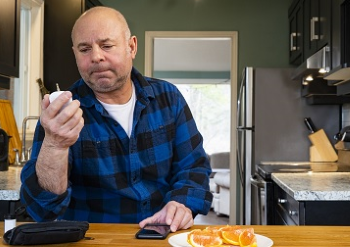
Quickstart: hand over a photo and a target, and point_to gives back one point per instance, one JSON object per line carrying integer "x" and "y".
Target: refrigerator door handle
{"x": 245, "y": 128}
{"x": 260, "y": 184}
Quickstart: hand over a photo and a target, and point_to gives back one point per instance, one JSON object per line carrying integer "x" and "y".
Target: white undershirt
{"x": 123, "y": 114}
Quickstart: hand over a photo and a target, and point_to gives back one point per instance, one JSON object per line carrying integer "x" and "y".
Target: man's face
{"x": 103, "y": 53}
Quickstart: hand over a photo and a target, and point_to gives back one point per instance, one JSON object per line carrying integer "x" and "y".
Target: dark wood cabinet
{"x": 9, "y": 39}
{"x": 288, "y": 211}
{"x": 340, "y": 37}
{"x": 310, "y": 28}
{"x": 336, "y": 37}
{"x": 59, "y": 62}
{"x": 296, "y": 32}
{"x": 317, "y": 19}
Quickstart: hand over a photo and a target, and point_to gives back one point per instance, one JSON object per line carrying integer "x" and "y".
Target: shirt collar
{"x": 81, "y": 92}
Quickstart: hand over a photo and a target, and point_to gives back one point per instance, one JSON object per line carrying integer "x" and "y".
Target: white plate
{"x": 180, "y": 240}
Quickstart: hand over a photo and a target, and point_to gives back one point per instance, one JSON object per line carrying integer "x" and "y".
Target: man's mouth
{"x": 99, "y": 72}
{"x": 98, "y": 69}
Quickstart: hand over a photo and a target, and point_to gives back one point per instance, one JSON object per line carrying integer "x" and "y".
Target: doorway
{"x": 203, "y": 65}
{"x": 26, "y": 90}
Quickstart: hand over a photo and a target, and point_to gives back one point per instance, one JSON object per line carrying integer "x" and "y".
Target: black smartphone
{"x": 153, "y": 231}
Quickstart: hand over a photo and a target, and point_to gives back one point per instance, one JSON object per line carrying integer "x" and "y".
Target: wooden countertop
{"x": 124, "y": 235}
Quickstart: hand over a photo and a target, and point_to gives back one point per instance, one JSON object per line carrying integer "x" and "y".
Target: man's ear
{"x": 133, "y": 46}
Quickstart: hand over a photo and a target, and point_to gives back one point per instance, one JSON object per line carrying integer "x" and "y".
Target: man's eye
{"x": 107, "y": 47}
{"x": 84, "y": 50}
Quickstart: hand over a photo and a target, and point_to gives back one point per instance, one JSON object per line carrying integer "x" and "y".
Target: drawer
{"x": 286, "y": 206}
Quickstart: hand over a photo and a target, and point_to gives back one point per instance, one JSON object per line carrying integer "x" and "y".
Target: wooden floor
{"x": 211, "y": 219}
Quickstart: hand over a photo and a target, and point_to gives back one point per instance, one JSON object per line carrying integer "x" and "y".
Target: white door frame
{"x": 27, "y": 88}
{"x": 233, "y": 35}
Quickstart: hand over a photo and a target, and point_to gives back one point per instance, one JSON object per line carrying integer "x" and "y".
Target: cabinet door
{"x": 325, "y": 23}
{"x": 9, "y": 37}
{"x": 59, "y": 62}
{"x": 335, "y": 37}
{"x": 311, "y": 24}
{"x": 91, "y": 3}
{"x": 327, "y": 213}
{"x": 296, "y": 33}
{"x": 317, "y": 32}
{"x": 286, "y": 208}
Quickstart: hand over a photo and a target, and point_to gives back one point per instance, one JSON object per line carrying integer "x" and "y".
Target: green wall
{"x": 262, "y": 25}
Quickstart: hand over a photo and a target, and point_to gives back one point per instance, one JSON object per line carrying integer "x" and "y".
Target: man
{"x": 126, "y": 149}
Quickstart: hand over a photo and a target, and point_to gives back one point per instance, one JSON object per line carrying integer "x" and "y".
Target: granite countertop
{"x": 315, "y": 186}
{"x": 10, "y": 184}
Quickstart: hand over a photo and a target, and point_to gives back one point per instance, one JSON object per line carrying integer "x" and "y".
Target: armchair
{"x": 220, "y": 182}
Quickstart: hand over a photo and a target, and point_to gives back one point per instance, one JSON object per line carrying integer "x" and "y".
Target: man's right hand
{"x": 62, "y": 126}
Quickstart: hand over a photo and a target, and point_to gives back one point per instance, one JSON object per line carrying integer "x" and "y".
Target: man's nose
{"x": 97, "y": 55}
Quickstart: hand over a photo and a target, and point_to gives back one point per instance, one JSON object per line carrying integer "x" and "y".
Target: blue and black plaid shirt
{"x": 114, "y": 178}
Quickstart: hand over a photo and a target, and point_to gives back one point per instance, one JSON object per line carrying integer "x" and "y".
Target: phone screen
{"x": 153, "y": 231}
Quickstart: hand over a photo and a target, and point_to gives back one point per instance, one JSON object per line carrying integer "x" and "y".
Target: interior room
{"x": 267, "y": 84}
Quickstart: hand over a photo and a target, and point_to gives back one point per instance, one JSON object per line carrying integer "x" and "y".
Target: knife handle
{"x": 310, "y": 125}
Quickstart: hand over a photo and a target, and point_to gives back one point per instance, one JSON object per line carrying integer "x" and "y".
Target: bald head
{"x": 104, "y": 52}
{"x": 98, "y": 14}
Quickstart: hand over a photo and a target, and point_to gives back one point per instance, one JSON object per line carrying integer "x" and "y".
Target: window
{"x": 210, "y": 106}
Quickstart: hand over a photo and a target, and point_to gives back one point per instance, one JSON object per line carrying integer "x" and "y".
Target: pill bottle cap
{"x": 9, "y": 217}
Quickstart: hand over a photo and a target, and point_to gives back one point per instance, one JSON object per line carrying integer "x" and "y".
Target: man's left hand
{"x": 175, "y": 214}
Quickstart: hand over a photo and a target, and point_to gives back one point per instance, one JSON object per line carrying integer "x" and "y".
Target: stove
{"x": 262, "y": 186}
{"x": 264, "y": 169}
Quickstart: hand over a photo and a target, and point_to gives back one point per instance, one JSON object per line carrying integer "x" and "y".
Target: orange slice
{"x": 225, "y": 236}
{"x": 213, "y": 229}
{"x": 205, "y": 238}
{"x": 229, "y": 228}
{"x": 231, "y": 237}
{"x": 247, "y": 238}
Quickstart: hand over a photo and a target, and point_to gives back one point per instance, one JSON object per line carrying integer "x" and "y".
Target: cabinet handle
{"x": 313, "y": 35}
{"x": 292, "y": 212}
{"x": 292, "y": 46}
{"x": 282, "y": 201}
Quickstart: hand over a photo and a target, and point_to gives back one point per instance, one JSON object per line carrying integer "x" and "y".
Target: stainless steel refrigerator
{"x": 270, "y": 125}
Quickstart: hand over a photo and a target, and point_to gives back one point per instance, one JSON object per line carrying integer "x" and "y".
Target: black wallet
{"x": 53, "y": 232}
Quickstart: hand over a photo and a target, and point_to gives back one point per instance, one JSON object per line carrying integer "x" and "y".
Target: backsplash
{"x": 345, "y": 115}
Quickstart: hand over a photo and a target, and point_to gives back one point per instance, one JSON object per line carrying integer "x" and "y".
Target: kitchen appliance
{"x": 320, "y": 61}
{"x": 264, "y": 186}
{"x": 4, "y": 150}
{"x": 270, "y": 127}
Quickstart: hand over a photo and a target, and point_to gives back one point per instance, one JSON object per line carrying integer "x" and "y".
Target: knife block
{"x": 322, "y": 149}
